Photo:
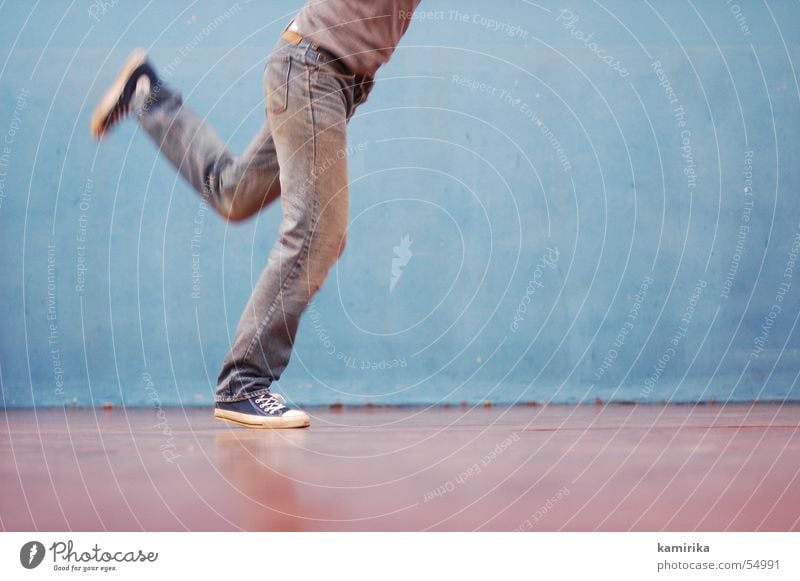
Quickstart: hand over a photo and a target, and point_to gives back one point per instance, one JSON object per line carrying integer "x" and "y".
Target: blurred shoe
{"x": 134, "y": 82}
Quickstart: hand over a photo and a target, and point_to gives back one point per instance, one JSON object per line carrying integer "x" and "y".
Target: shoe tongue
{"x": 141, "y": 93}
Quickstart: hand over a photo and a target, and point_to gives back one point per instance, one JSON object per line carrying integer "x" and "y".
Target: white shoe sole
{"x": 252, "y": 421}
{"x": 108, "y": 101}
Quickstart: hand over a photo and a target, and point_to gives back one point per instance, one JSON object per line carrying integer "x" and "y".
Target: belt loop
{"x": 308, "y": 57}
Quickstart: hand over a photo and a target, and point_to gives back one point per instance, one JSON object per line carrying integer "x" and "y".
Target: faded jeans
{"x": 300, "y": 156}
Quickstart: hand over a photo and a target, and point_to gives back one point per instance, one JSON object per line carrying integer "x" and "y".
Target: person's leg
{"x": 235, "y": 187}
{"x": 309, "y": 101}
{"x": 308, "y": 116}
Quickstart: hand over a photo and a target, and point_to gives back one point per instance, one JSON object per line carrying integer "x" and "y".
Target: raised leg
{"x": 236, "y": 187}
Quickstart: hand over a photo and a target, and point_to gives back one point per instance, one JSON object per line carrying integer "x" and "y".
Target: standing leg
{"x": 308, "y": 104}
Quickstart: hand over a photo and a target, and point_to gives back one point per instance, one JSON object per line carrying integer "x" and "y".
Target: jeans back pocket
{"x": 277, "y": 75}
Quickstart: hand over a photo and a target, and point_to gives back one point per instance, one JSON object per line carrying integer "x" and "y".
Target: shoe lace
{"x": 270, "y": 402}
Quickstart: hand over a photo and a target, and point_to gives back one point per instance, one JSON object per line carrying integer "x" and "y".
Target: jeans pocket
{"x": 277, "y": 83}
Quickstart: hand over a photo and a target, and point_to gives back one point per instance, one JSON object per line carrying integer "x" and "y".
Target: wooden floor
{"x": 582, "y": 468}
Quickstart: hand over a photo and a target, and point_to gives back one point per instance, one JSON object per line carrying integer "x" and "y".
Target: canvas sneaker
{"x": 134, "y": 82}
{"x": 268, "y": 410}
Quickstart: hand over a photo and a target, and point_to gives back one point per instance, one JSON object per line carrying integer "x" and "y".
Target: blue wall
{"x": 610, "y": 216}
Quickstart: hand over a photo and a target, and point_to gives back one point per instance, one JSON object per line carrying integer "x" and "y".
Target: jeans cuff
{"x": 159, "y": 96}
{"x": 248, "y": 395}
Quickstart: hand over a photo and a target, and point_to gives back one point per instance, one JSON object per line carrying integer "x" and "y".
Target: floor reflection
{"x": 258, "y": 467}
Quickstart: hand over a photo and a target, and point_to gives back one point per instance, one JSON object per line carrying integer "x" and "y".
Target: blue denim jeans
{"x": 300, "y": 156}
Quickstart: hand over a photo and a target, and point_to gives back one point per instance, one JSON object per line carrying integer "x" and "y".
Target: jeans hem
{"x": 250, "y": 395}
{"x": 159, "y": 97}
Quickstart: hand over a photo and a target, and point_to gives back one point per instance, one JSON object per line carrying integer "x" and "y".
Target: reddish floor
{"x": 580, "y": 468}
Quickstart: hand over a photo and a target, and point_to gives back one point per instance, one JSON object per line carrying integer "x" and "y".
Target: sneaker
{"x": 264, "y": 411}
{"x": 136, "y": 78}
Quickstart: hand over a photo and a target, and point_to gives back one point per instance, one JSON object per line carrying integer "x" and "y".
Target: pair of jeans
{"x": 299, "y": 156}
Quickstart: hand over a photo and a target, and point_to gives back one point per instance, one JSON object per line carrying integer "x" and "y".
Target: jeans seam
{"x": 293, "y": 270}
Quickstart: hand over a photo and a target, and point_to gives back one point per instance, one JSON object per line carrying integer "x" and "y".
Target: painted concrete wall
{"x": 586, "y": 200}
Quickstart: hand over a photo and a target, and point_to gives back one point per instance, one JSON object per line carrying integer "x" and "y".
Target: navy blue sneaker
{"x": 264, "y": 411}
{"x": 135, "y": 77}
